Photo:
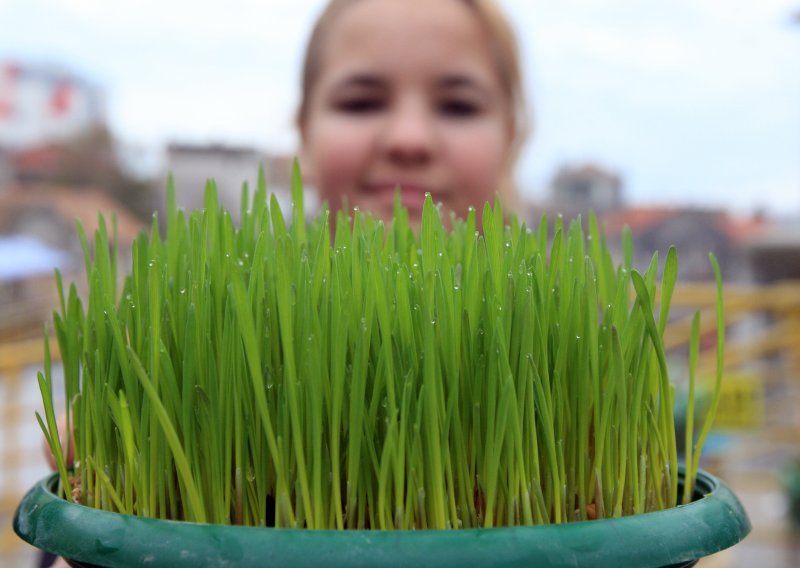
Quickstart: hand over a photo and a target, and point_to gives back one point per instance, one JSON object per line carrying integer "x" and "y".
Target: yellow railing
{"x": 775, "y": 308}
{"x": 763, "y": 345}
{"x": 762, "y": 349}
{"x": 15, "y": 453}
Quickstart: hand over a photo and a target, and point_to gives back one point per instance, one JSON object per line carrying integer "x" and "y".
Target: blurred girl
{"x": 424, "y": 95}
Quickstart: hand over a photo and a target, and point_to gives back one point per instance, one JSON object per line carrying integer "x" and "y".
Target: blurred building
{"x": 40, "y": 103}
{"x": 48, "y": 213}
{"x": 578, "y": 188}
{"x": 192, "y": 165}
{"x": 694, "y": 232}
{"x": 775, "y": 254}
{"x": 5, "y": 166}
{"x": 38, "y": 235}
{"x": 27, "y": 290}
{"x": 737, "y": 242}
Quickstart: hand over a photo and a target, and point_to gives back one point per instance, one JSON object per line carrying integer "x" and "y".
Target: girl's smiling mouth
{"x": 412, "y": 195}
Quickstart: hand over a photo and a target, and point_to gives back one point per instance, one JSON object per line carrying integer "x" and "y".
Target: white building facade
{"x": 41, "y": 103}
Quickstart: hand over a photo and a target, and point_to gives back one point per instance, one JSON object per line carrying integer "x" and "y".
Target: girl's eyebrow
{"x": 462, "y": 80}
{"x": 458, "y": 80}
{"x": 361, "y": 80}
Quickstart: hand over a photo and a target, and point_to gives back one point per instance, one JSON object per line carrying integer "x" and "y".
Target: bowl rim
{"x": 715, "y": 520}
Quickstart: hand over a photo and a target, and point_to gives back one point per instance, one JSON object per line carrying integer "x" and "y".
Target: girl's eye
{"x": 360, "y": 105}
{"x": 459, "y": 108}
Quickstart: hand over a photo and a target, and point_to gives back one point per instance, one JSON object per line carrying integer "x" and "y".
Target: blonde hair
{"x": 504, "y": 50}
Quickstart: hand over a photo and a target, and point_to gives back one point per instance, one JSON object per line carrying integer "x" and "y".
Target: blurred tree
{"x": 88, "y": 159}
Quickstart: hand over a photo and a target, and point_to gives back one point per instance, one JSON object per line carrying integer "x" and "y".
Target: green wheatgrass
{"x": 343, "y": 373}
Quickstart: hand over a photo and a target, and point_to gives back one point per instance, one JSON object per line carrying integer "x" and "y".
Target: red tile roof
{"x": 640, "y": 219}
{"x": 69, "y": 204}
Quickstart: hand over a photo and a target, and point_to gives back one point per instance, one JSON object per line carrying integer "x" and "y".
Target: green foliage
{"x": 278, "y": 372}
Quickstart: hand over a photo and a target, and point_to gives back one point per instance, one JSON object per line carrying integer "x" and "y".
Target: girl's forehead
{"x": 414, "y": 37}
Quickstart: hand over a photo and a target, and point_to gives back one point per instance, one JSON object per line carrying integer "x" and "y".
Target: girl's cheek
{"x": 480, "y": 158}
{"x": 338, "y": 161}
{"x": 343, "y": 147}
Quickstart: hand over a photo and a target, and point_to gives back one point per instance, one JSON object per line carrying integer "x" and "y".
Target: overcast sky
{"x": 693, "y": 101}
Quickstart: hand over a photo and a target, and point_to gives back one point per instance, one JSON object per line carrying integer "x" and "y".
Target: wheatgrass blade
{"x": 720, "y": 367}
{"x": 666, "y": 422}
{"x": 694, "y": 349}
{"x": 193, "y": 499}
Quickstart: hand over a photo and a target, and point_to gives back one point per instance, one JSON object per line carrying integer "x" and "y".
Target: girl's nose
{"x": 409, "y": 137}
